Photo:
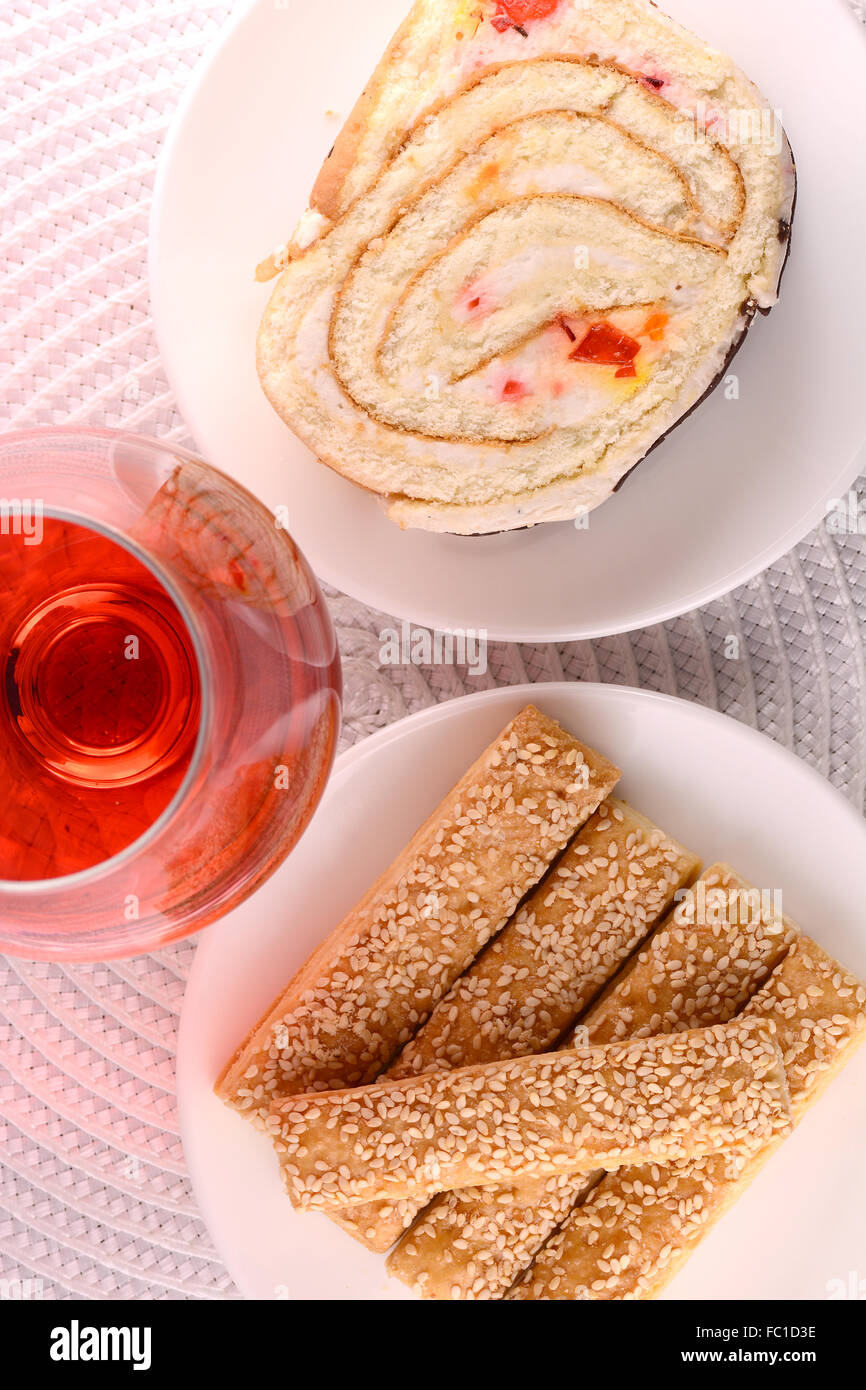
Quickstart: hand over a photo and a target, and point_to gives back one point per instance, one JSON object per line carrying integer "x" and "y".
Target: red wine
{"x": 100, "y": 700}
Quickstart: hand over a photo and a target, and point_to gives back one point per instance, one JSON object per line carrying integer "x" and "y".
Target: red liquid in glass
{"x": 99, "y": 700}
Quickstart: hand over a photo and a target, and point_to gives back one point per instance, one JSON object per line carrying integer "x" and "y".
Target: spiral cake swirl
{"x": 536, "y": 244}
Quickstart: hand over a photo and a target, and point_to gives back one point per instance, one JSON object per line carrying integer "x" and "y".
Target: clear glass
{"x": 218, "y": 771}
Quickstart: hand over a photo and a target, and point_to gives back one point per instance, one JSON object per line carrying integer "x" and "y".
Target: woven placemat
{"x": 94, "y": 1197}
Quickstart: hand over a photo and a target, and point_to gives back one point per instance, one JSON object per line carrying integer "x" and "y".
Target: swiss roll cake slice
{"x": 536, "y": 244}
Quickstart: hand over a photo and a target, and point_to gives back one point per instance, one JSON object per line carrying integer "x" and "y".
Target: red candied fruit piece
{"x": 607, "y": 346}
{"x": 519, "y": 12}
{"x": 513, "y": 390}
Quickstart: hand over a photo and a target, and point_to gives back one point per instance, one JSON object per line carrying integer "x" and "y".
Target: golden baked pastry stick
{"x": 639, "y": 1226}
{"x": 699, "y": 967}
{"x": 376, "y": 978}
{"x": 603, "y": 896}
{"x": 702, "y": 964}
{"x": 662, "y": 1099}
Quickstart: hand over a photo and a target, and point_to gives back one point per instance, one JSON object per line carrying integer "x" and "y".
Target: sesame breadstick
{"x": 375, "y": 980}
{"x": 701, "y": 965}
{"x": 696, "y": 969}
{"x": 639, "y": 1226}
{"x": 661, "y": 1099}
{"x": 608, "y": 890}
{"x": 602, "y": 898}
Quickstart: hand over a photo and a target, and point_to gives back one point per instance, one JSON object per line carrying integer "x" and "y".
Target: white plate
{"x": 727, "y": 493}
{"x": 724, "y": 790}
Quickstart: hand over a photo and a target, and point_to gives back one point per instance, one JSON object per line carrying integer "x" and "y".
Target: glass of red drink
{"x": 169, "y": 694}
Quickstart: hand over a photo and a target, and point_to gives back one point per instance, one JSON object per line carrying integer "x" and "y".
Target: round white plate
{"x": 728, "y": 492}
{"x": 723, "y": 790}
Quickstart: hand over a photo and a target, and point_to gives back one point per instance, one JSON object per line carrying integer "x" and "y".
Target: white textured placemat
{"x": 94, "y": 1197}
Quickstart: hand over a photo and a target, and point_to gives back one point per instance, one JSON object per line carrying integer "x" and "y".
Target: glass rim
{"x": 82, "y": 878}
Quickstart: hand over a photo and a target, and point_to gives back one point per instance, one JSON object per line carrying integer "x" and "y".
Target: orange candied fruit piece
{"x": 655, "y": 326}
